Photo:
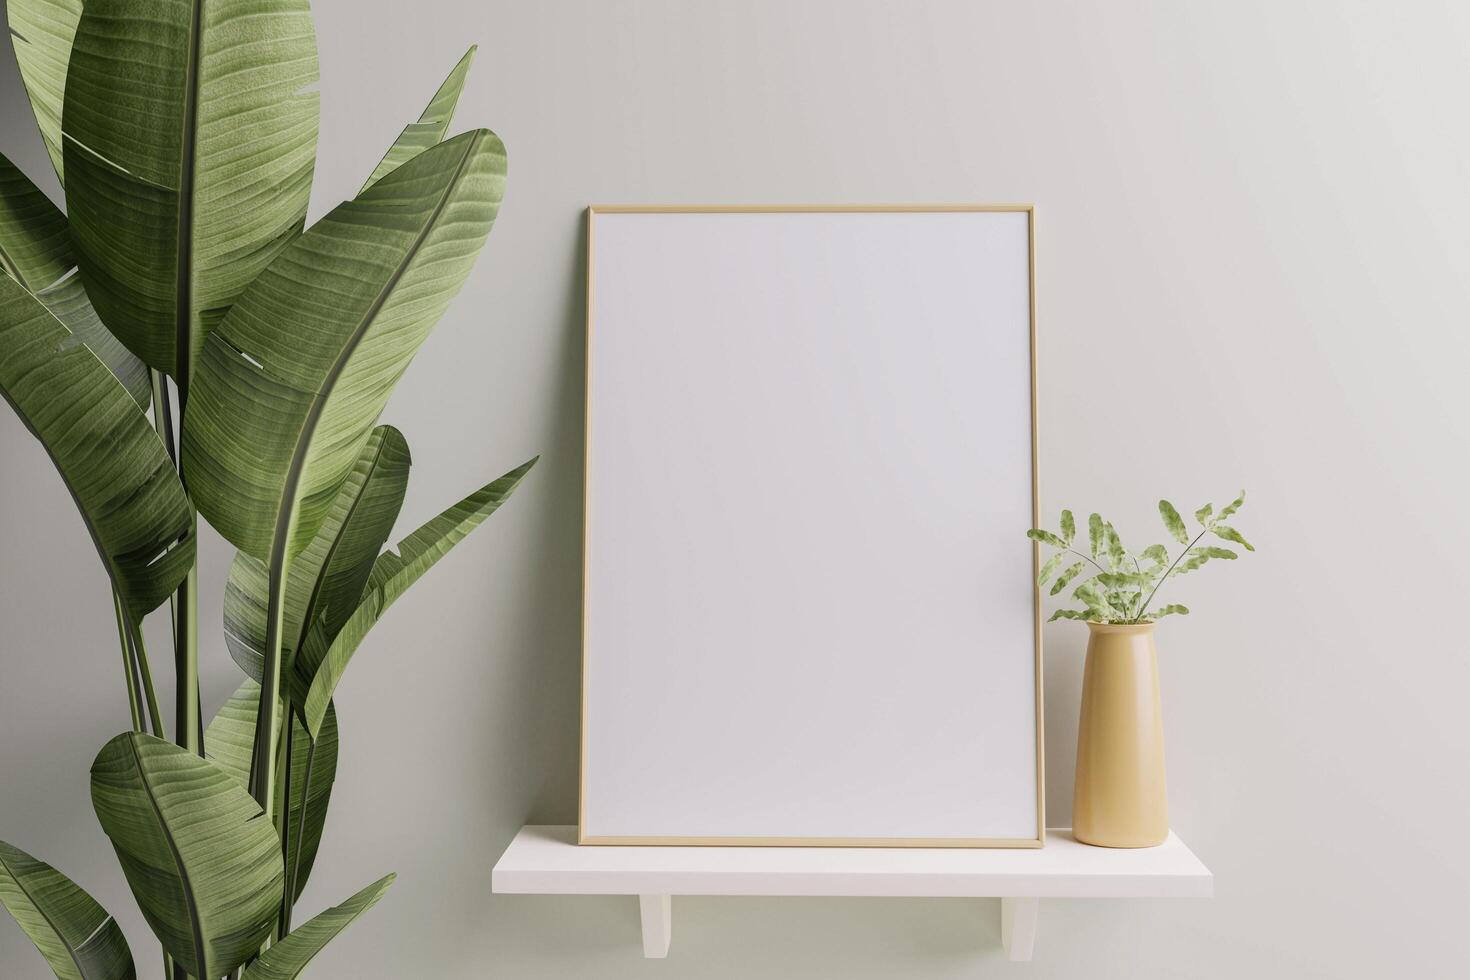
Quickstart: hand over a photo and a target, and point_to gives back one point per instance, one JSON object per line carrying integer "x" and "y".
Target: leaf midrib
{"x": 9, "y": 266}
{"x": 188, "y": 886}
{"x": 286, "y": 515}
{"x": 55, "y": 930}
{"x": 295, "y": 868}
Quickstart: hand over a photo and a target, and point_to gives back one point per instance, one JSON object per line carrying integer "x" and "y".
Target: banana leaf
{"x": 229, "y": 740}
{"x": 108, "y": 454}
{"x": 35, "y": 248}
{"x": 288, "y": 388}
{"x": 76, "y": 936}
{"x": 288, "y": 958}
{"x": 42, "y": 32}
{"x": 327, "y": 578}
{"x": 321, "y": 662}
{"x": 203, "y": 863}
{"x": 35, "y": 244}
{"x": 190, "y": 142}
{"x": 430, "y": 127}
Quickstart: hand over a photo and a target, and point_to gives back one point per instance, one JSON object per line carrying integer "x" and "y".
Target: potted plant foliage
{"x": 1119, "y": 798}
{"x": 182, "y": 284}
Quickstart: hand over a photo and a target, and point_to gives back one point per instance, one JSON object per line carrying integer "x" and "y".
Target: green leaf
{"x": 1067, "y": 576}
{"x": 76, "y": 936}
{"x": 1203, "y": 514}
{"x": 1097, "y": 603}
{"x": 289, "y": 386}
{"x": 1126, "y": 602}
{"x": 431, "y": 125}
{"x": 1156, "y": 553}
{"x": 35, "y": 248}
{"x": 328, "y": 577}
{"x": 202, "y": 861}
{"x": 230, "y": 740}
{"x": 1169, "y": 610}
{"x": 1116, "y": 554}
{"x": 69, "y": 303}
{"x": 190, "y": 141}
{"x": 1173, "y": 522}
{"x": 289, "y": 957}
{"x": 1230, "y": 534}
{"x": 1049, "y": 567}
{"x": 1067, "y": 614}
{"x": 1234, "y": 506}
{"x": 1095, "y": 533}
{"x": 108, "y": 454}
{"x": 1196, "y": 558}
{"x": 1069, "y": 527}
{"x": 1045, "y": 537}
{"x": 35, "y": 244}
{"x": 319, "y": 665}
{"x": 1191, "y": 564}
{"x": 42, "y": 32}
{"x": 1121, "y": 580}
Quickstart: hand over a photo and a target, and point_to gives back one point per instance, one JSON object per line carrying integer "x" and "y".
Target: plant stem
{"x": 293, "y": 858}
{"x": 283, "y": 767}
{"x": 1088, "y": 559}
{"x": 183, "y": 604}
{"x": 1187, "y": 549}
{"x": 288, "y": 746}
{"x": 127, "y": 652}
{"x": 1136, "y": 612}
{"x": 187, "y": 720}
{"x": 162, "y": 417}
{"x": 140, "y": 653}
{"x": 263, "y": 756}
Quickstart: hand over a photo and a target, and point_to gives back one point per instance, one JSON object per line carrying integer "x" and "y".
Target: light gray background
{"x": 1253, "y": 269}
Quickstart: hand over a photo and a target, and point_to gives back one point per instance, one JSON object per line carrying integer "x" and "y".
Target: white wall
{"x": 1253, "y": 270}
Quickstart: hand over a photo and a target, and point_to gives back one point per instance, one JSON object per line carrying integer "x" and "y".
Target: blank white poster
{"x": 810, "y": 615}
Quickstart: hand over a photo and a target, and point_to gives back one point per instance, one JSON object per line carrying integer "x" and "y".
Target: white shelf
{"x": 546, "y": 860}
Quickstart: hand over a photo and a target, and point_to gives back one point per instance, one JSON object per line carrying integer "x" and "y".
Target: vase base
{"x": 1119, "y": 842}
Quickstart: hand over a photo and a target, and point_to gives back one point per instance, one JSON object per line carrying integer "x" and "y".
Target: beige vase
{"x": 1119, "y": 798}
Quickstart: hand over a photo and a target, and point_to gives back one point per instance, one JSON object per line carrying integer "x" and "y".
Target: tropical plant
{"x": 182, "y": 284}
{"x": 1115, "y": 585}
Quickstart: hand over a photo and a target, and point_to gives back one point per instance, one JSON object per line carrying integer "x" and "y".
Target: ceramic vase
{"x": 1119, "y": 798}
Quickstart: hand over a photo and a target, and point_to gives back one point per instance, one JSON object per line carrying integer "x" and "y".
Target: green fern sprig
{"x": 1120, "y": 586}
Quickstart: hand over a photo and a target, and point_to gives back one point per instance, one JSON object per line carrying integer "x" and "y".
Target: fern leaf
{"x": 1231, "y": 534}
{"x": 1045, "y": 537}
{"x": 1173, "y": 523}
{"x": 1066, "y": 577}
{"x": 1049, "y": 567}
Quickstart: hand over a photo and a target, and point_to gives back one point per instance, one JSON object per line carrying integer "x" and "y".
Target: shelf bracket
{"x": 657, "y": 912}
{"x": 1017, "y": 927}
{"x": 1018, "y": 918}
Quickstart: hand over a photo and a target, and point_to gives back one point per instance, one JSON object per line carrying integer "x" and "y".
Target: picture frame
{"x": 664, "y": 759}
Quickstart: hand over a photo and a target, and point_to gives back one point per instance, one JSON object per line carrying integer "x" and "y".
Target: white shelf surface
{"x": 546, "y": 860}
